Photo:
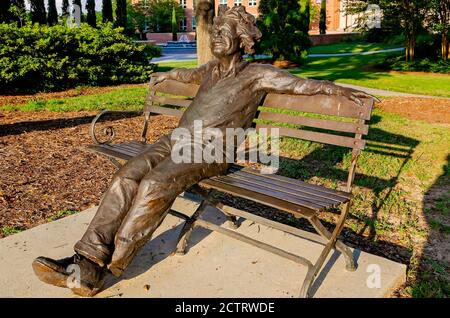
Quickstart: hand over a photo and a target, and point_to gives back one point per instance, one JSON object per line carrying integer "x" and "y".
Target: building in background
{"x": 337, "y": 20}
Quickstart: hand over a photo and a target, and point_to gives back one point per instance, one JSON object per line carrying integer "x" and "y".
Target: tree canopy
{"x": 285, "y": 33}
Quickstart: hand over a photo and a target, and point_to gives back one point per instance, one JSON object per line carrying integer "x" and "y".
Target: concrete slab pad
{"x": 215, "y": 265}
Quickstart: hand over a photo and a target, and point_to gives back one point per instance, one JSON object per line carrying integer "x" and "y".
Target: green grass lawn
{"x": 350, "y": 48}
{"x": 353, "y": 70}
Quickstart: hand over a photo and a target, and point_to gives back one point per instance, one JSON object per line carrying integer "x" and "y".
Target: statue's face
{"x": 225, "y": 40}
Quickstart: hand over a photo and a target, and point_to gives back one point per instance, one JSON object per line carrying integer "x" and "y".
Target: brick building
{"x": 337, "y": 21}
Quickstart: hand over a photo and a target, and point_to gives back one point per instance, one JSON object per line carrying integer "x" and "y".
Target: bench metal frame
{"x": 326, "y": 105}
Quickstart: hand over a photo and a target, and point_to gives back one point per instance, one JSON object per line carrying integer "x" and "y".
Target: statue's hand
{"x": 156, "y": 78}
{"x": 355, "y": 95}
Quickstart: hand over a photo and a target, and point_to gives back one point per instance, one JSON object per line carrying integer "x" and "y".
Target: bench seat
{"x": 297, "y": 197}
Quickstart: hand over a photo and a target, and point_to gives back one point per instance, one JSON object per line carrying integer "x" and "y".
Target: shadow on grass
{"x": 433, "y": 266}
{"x": 337, "y": 68}
{"x": 325, "y": 161}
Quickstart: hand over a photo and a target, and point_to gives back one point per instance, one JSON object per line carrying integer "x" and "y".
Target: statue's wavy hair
{"x": 246, "y": 28}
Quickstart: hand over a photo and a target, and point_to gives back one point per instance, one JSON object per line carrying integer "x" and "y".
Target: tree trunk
{"x": 204, "y": 15}
{"x": 444, "y": 47}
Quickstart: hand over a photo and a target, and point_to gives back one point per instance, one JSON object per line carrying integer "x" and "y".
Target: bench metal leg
{"x": 312, "y": 272}
{"x": 350, "y": 263}
{"x": 186, "y": 231}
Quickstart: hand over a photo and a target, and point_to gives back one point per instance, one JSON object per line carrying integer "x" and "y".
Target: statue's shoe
{"x": 83, "y": 277}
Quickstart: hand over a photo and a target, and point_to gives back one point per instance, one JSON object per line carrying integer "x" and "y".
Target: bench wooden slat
{"x": 166, "y": 111}
{"x": 176, "y": 88}
{"x": 265, "y": 183}
{"x": 244, "y": 184}
{"x": 294, "y": 182}
{"x": 272, "y": 180}
{"x": 260, "y": 198}
{"x": 321, "y": 104}
{"x": 164, "y": 100}
{"x": 315, "y": 122}
{"x": 317, "y": 136}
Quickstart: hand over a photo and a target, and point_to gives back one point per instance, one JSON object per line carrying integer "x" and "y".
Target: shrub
{"x": 43, "y": 58}
{"x": 423, "y": 65}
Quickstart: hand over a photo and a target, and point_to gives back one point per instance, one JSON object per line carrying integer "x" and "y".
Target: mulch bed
{"x": 46, "y": 167}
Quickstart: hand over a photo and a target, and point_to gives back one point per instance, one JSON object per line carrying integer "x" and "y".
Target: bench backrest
{"x": 317, "y": 118}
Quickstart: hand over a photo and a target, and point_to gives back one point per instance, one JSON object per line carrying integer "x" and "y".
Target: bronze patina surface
{"x": 143, "y": 190}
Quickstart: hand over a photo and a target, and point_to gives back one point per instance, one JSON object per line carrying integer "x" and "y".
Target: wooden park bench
{"x": 292, "y": 196}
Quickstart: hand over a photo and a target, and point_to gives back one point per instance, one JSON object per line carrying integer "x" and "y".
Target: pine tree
{"x": 174, "y": 25}
{"x": 65, "y": 8}
{"x": 38, "y": 14}
{"x": 305, "y": 10}
{"x": 323, "y": 17}
{"x": 284, "y": 33}
{"x": 107, "y": 11}
{"x": 91, "y": 16}
{"x": 121, "y": 13}
{"x": 52, "y": 17}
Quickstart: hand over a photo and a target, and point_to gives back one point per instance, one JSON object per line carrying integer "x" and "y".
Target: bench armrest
{"x": 109, "y": 130}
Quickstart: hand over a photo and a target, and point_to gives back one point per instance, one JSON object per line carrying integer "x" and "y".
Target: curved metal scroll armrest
{"x": 109, "y": 130}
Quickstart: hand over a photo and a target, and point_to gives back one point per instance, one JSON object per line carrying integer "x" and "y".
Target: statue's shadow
{"x": 163, "y": 245}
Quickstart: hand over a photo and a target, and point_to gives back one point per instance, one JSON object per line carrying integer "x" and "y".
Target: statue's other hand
{"x": 156, "y": 78}
{"x": 356, "y": 96}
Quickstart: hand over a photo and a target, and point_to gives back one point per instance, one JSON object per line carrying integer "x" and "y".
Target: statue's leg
{"x": 156, "y": 193}
{"x": 97, "y": 243}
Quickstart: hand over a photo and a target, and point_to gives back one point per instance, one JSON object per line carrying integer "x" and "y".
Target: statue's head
{"x": 234, "y": 30}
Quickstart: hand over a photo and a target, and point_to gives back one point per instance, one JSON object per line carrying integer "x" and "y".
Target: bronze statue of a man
{"x": 143, "y": 190}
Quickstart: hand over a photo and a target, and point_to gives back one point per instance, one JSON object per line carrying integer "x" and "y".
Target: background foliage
{"x": 43, "y": 58}
{"x": 284, "y": 33}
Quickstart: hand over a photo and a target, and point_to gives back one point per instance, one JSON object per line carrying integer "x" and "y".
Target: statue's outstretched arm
{"x": 278, "y": 81}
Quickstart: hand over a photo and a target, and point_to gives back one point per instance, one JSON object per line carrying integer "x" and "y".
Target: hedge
{"x": 42, "y": 58}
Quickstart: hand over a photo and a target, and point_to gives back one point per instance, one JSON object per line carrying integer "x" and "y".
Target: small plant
{"x": 61, "y": 214}
{"x": 9, "y": 230}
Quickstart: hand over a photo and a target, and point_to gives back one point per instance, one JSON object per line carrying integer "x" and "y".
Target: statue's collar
{"x": 233, "y": 72}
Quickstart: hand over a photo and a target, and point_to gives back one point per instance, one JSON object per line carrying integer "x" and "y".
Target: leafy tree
{"x": 136, "y": 18}
{"x": 52, "y": 16}
{"x": 284, "y": 33}
{"x": 159, "y": 14}
{"x": 174, "y": 25}
{"x": 18, "y": 12}
{"x": 405, "y": 16}
{"x": 305, "y": 10}
{"x": 91, "y": 16}
{"x": 438, "y": 20}
{"x": 38, "y": 14}
{"x": 121, "y": 13}
{"x": 323, "y": 17}
{"x": 107, "y": 14}
{"x": 65, "y": 8}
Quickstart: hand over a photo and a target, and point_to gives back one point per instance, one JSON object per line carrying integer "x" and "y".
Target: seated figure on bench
{"x": 143, "y": 190}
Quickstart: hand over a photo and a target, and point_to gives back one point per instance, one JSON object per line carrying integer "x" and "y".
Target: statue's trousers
{"x": 136, "y": 202}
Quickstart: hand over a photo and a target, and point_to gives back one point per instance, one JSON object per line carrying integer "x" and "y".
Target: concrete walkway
{"x": 215, "y": 266}
{"x": 398, "y": 49}
{"x": 385, "y": 93}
